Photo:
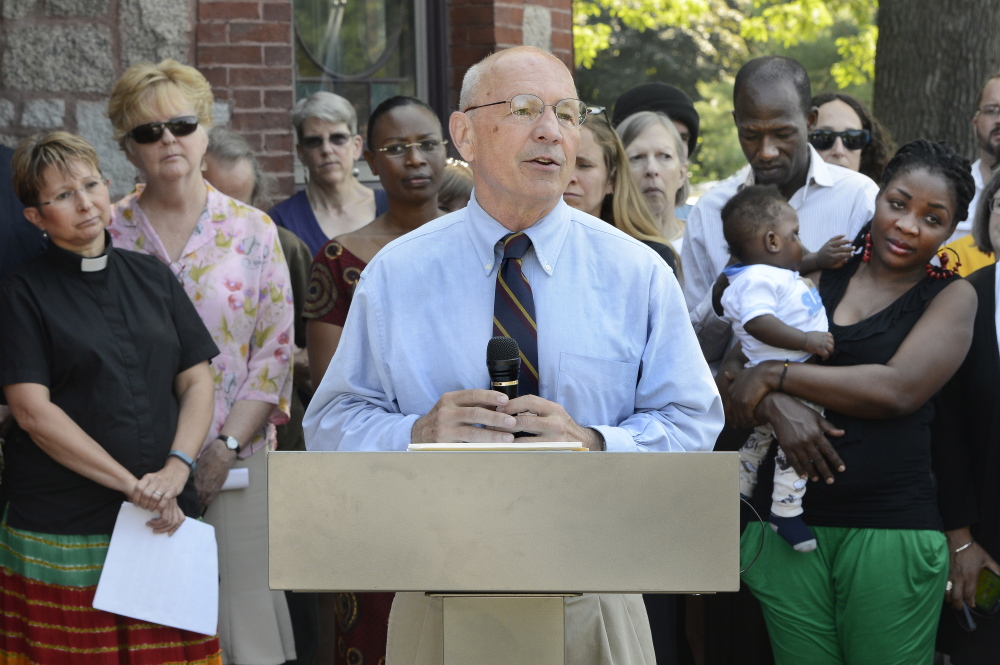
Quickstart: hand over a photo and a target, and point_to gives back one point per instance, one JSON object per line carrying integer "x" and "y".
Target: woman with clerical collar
{"x": 104, "y": 364}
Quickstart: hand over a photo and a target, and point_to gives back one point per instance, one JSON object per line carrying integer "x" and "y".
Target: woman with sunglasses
{"x": 406, "y": 151}
{"x": 104, "y": 363}
{"x": 228, "y": 258}
{"x": 333, "y": 202}
{"x": 847, "y": 134}
{"x": 603, "y": 186}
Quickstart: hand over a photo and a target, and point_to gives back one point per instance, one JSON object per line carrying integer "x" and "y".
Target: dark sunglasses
{"x": 316, "y": 142}
{"x": 853, "y": 139}
{"x": 153, "y": 131}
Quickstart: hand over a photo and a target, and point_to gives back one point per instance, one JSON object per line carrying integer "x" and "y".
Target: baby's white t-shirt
{"x": 756, "y": 290}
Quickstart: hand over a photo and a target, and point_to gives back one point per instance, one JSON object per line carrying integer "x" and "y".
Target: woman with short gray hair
{"x": 333, "y": 202}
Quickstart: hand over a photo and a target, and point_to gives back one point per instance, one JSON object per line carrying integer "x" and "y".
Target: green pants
{"x": 864, "y": 596}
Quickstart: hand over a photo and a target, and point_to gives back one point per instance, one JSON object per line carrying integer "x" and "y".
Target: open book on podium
{"x": 482, "y": 525}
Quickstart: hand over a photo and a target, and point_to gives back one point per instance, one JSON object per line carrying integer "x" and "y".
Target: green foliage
{"x": 699, "y": 45}
{"x": 719, "y": 154}
{"x": 857, "y": 66}
{"x": 594, "y": 21}
{"x": 806, "y": 21}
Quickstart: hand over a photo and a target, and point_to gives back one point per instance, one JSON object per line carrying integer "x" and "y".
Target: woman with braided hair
{"x": 872, "y": 590}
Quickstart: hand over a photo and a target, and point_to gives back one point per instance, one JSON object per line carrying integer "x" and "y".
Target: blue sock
{"x": 795, "y": 531}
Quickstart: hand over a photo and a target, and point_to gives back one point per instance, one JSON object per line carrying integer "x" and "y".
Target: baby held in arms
{"x": 776, "y": 314}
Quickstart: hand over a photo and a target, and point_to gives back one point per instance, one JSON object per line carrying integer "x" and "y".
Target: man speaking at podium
{"x": 608, "y": 356}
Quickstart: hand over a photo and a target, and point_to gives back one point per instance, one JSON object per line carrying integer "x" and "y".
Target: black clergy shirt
{"x": 107, "y": 336}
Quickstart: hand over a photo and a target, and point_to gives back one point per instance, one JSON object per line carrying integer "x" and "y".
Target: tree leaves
{"x": 727, "y": 32}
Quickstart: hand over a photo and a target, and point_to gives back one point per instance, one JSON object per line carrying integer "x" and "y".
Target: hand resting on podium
{"x": 454, "y": 419}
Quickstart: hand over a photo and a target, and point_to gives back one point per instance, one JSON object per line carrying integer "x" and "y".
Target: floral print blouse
{"x": 234, "y": 271}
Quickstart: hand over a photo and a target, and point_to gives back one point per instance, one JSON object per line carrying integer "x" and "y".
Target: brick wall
{"x": 479, "y": 27}
{"x": 58, "y": 61}
{"x": 244, "y": 49}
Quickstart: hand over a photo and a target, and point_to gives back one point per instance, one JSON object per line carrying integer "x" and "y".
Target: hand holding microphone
{"x": 489, "y": 416}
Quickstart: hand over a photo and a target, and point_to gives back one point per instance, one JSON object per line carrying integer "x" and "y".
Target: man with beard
{"x": 773, "y": 110}
{"x": 986, "y": 125}
{"x": 588, "y": 305}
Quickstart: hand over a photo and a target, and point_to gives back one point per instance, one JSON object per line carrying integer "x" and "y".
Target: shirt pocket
{"x": 596, "y": 391}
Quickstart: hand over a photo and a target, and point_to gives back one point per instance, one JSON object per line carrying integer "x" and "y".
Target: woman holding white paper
{"x": 104, "y": 363}
{"x": 228, "y": 259}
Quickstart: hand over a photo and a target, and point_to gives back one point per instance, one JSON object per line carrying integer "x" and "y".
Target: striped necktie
{"x": 514, "y": 310}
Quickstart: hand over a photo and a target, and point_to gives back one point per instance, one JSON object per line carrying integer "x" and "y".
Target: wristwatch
{"x": 230, "y": 442}
{"x": 192, "y": 464}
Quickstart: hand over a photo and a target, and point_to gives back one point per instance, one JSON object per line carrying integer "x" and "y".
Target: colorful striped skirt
{"x": 47, "y": 585}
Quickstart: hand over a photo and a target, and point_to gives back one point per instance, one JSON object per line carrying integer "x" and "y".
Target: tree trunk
{"x": 933, "y": 57}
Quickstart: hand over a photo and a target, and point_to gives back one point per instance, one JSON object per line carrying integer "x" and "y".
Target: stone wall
{"x": 60, "y": 58}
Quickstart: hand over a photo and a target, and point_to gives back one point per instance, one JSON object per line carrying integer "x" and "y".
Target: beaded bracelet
{"x": 963, "y": 547}
{"x": 781, "y": 381}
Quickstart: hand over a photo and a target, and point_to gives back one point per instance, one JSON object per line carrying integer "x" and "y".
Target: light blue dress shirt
{"x": 615, "y": 344}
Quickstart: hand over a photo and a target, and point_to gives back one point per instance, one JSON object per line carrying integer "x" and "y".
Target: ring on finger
{"x": 948, "y": 586}
{"x": 157, "y": 493}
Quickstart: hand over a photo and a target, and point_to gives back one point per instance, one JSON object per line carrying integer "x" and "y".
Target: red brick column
{"x": 562, "y": 31}
{"x": 480, "y": 27}
{"x": 244, "y": 49}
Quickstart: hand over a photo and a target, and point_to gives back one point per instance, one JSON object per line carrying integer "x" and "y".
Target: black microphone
{"x": 503, "y": 361}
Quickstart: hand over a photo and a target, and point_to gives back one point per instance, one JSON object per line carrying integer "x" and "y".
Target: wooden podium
{"x": 503, "y": 536}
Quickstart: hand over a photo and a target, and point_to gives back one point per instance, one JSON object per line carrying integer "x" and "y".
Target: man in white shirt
{"x": 986, "y": 125}
{"x": 773, "y": 111}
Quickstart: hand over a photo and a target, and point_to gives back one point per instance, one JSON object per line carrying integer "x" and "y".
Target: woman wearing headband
{"x": 227, "y": 257}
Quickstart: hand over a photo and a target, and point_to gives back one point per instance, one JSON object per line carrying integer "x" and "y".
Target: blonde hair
{"x": 636, "y": 124}
{"x": 37, "y": 153}
{"x": 456, "y": 182}
{"x": 625, "y": 207}
{"x": 146, "y": 88}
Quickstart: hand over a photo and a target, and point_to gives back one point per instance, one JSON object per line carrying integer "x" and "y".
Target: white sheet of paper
{"x": 533, "y": 446}
{"x": 149, "y": 576}
{"x": 236, "y": 480}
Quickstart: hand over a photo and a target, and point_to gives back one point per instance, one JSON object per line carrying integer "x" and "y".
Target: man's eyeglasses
{"x": 853, "y": 139}
{"x": 152, "y": 132}
{"x": 67, "y": 199}
{"x": 399, "y": 149}
{"x": 529, "y": 108}
{"x": 316, "y": 142}
{"x": 990, "y": 110}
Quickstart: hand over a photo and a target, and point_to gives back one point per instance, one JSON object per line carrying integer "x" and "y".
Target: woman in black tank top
{"x": 872, "y": 591}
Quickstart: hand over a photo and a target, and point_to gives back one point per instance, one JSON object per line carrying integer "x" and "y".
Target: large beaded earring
{"x": 942, "y": 271}
{"x": 866, "y": 255}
